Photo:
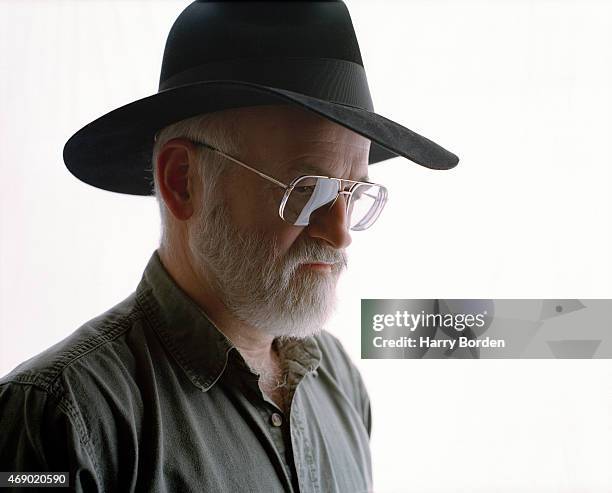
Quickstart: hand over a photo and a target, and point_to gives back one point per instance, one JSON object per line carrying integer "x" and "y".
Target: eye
{"x": 304, "y": 190}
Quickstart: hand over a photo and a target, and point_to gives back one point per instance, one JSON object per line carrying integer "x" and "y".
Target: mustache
{"x": 313, "y": 252}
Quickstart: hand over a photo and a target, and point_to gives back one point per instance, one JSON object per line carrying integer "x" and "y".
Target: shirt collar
{"x": 198, "y": 346}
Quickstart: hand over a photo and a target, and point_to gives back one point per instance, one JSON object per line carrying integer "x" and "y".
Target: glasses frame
{"x": 290, "y": 186}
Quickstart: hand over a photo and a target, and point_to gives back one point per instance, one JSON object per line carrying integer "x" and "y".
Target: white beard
{"x": 257, "y": 286}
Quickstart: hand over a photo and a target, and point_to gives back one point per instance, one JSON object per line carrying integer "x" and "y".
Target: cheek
{"x": 286, "y": 237}
{"x": 255, "y": 208}
{"x": 251, "y": 208}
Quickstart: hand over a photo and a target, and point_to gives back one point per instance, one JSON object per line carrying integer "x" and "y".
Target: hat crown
{"x": 223, "y": 55}
{"x": 209, "y": 32}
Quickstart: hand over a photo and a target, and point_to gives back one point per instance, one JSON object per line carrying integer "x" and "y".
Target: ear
{"x": 175, "y": 173}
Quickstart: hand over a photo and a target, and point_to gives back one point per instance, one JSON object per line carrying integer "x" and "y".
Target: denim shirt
{"x": 151, "y": 396}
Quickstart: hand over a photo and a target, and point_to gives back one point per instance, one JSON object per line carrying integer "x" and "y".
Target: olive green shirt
{"x": 151, "y": 396}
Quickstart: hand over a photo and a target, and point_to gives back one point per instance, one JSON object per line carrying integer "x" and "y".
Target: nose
{"x": 331, "y": 224}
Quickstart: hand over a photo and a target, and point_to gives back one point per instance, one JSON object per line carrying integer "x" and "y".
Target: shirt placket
{"x": 278, "y": 426}
{"x": 300, "y": 367}
{"x": 303, "y": 451}
{"x": 243, "y": 384}
{"x": 287, "y": 432}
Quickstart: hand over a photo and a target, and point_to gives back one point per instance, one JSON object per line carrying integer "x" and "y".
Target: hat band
{"x": 328, "y": 79}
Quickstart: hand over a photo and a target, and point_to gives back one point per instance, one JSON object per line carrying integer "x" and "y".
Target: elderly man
{"x": 215, "y": 374}
{"x": 259, "y": 278}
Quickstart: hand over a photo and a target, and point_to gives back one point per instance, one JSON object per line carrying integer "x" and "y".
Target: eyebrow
{"x": 310, "y": 168}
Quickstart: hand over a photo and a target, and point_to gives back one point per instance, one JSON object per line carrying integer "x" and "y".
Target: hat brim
{"x": 114, "y": 152}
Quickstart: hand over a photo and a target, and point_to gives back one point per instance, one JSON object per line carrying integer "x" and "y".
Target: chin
{"x": 295, "y": 317}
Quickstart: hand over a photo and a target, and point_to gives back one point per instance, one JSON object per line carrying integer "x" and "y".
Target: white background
{"x": 520, "y": 90}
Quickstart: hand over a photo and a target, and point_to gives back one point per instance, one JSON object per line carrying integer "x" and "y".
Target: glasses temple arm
{"x": 263, "y": 175}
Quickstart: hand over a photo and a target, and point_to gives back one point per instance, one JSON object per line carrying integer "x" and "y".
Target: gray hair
{"x": 215, "y": 129}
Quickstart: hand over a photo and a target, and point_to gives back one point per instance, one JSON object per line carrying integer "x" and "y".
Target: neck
{"x": 254, "y": 345}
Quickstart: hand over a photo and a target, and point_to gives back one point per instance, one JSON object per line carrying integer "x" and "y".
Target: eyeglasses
{"x": 307, "y": 195}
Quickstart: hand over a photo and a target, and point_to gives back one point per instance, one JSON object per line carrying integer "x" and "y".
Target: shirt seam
{"x": 68, "y": 357}
{"x": 74, "y": 416}
{"x": 52, "y": 386}
{"x": 96, "y": 342}
{"x": 64, "y": 405}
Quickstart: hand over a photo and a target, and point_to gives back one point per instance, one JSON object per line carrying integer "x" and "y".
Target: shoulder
{"x": 73, "y": 375}
{"x": 67, "y": 395}
{"x": 81, "y": 347}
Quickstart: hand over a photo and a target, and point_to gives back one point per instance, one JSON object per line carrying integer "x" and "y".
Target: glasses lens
{"x": 308, "y": 195}
{"x": 366, "y": 203}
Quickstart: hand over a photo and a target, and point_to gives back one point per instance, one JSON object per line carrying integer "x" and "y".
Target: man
{"x": 215, "y": 374}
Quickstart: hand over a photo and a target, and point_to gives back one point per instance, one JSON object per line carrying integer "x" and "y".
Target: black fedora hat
{"x": 230, "y": 54}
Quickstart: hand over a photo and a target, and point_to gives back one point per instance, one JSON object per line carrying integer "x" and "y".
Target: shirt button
{"x": 276, "y": 419}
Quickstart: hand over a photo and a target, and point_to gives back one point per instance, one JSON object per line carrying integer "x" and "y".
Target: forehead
{"x": 287, "y": 140}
